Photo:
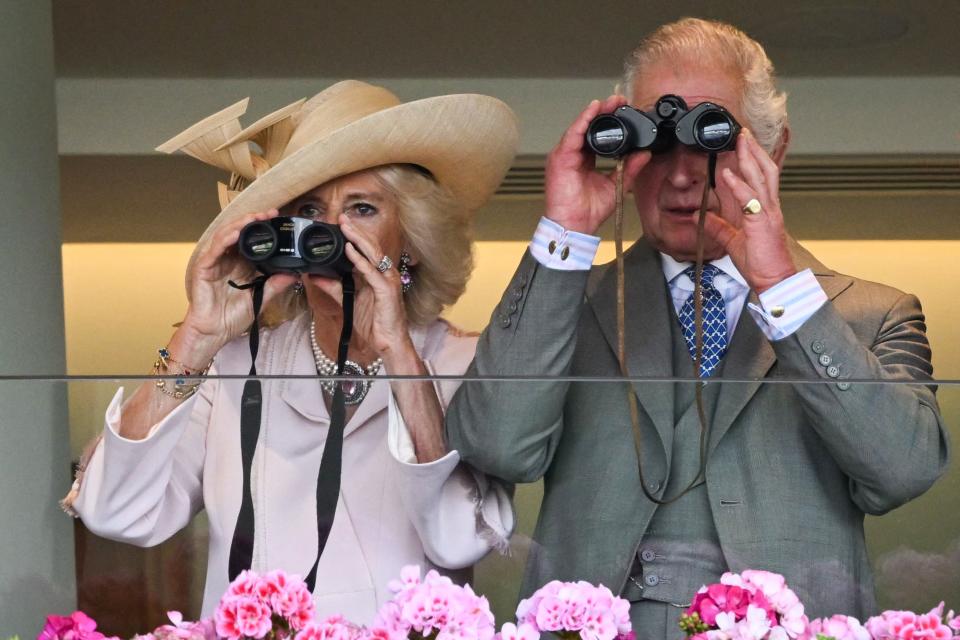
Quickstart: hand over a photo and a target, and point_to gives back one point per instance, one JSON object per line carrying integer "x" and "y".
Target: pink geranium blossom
{"x": 180, "y": 629}
{"x": 254, "y": 606}
{"x": 434, "y": 607}
{"x": 907, "y": 625}
{"x": 525, "y": 631}
{"x": 572, "y": 609}
{"x": 76, "y": 626}
{"x": 839, "y": 627}
{"x": 752, "y": 605}
{"x": 243, "y": 617}
{"x": 333, "y": 628}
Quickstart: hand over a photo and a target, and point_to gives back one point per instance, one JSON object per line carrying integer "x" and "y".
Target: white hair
{"x": 692, "y": 40}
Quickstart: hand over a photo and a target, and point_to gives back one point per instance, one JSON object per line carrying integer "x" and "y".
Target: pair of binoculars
{"x": 707, "y": 127}
{"x": 295, "y": 245}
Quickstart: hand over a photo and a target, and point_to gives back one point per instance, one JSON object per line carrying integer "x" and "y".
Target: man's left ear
{"x": 780, "y": 151}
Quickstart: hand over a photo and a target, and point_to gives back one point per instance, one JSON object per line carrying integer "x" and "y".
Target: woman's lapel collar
{"x": 304, "y": 394}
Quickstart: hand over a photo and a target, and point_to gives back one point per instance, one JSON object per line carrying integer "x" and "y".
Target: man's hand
{"x": 579, "y": 198}
{"x": 758, "y": 244}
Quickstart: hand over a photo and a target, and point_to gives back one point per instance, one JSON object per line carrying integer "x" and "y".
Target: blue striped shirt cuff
{"x": 794, "y": 300}
{"x": 556, "y": 248}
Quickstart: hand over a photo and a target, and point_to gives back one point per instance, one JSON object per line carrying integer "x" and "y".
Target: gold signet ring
{"x": 753, "y": 207}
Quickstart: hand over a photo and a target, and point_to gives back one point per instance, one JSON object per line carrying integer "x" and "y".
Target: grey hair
{"x": 438, "y": 234}
{"x": 689, "y": 39}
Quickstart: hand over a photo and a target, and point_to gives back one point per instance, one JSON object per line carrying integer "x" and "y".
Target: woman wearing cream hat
{"x": 402, "y": 180}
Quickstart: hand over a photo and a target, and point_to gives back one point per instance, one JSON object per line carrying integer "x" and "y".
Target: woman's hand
{"x": 578, "y": 197}
{"x": 380, "y": 317}
{"x": 218, "y": 312}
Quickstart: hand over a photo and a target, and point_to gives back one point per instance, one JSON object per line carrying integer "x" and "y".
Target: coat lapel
{"x": 751, "y": 356}
{"x": 648, "y": 340}
{"x": 305, "y": 396}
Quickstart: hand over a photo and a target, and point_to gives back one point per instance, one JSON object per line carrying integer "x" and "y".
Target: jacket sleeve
{"x": 143, "y": 491}
{"x": 459, "y": 513}
{"x": 889, "y": 439}
{"x": 510, "y": 429}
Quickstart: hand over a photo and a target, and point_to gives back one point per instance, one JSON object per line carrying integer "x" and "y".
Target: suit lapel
{"x": 751, "y": 356}
{"x": 647, "y": 339}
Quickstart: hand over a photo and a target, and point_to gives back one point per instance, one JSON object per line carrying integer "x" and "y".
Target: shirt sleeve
{"x": 556, "y": 248}
{"x": 785, "y": 306}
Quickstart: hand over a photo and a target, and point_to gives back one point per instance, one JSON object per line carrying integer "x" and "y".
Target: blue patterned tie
{"x": 714, "y": 321}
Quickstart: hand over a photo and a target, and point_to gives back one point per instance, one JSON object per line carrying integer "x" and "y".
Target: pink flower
{"x": 953, "y": 622}
{"x": 839, "y": 627}
{"x": 593, "y": 611}
{"x": 290, "y": 599}
{"x": 434, "y": 605}
{"x": 906, "y": 625}
{"x": 720, "y": 598}
{"x": 333, "y": 628}
{"x": 244, "y": 584}
{"x": 575, "y": 616}
{"x": 550, "y": 614}
{"x": 76, "y": 626}
{"x": 599, "y": 625}
{"x": 733, "y": 608}
{"x": 390, "y": 619}
{"x": 184, "y": 630}
{"x": 382, "y": 633}
{"x": 243, "y": 617}
{"x": 525, "y": 631}
{"x": 409, "y": 578}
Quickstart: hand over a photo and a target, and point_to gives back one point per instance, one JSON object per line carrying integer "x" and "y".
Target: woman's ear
{"x": 411, "y": 257}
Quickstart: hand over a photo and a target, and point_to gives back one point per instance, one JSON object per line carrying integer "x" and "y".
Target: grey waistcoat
{"x": 680, "y": 550}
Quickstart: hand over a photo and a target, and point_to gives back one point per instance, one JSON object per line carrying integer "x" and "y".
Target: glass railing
{"x": 791, "y": 466}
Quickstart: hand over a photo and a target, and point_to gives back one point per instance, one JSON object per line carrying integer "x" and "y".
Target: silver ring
{"x": 385, "y": 263}
{"x": 753, "y": 207}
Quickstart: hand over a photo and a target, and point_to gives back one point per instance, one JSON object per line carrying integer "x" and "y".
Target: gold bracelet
{"x": 167, "y": 365}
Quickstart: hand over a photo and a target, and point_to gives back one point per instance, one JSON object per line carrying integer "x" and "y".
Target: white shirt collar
{"x": 673, "y": 268}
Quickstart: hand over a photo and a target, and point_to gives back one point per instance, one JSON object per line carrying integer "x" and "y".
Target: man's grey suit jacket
{"x": 791, "y": 468}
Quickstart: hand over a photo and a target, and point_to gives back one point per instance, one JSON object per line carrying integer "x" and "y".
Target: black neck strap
{"x": 328, "y": 478}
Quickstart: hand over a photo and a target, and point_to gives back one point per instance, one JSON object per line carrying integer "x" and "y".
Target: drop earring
{"x": 406, "y": 278}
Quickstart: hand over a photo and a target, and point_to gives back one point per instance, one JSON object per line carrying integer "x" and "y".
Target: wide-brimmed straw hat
{"x": 466, "y": 142}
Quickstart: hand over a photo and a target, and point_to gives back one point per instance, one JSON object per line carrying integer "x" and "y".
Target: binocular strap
{"x": 700, "y": 478}
{"x": 328, "y": 477}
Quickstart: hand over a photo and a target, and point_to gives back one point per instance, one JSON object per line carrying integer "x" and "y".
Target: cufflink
{"x": 552, "y": 246}
{"x": 777, "y": 311}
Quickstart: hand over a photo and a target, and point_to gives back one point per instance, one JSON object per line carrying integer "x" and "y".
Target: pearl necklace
{"x": 354, "y": 391}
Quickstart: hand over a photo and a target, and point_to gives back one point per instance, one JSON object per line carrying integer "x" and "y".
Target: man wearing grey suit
{"x": 791, "y": 468}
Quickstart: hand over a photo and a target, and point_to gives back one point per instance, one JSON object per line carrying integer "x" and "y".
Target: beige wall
{"x": 122, "y": 299}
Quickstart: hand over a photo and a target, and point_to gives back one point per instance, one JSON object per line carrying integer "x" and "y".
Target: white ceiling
{"x": 485, "y": 38}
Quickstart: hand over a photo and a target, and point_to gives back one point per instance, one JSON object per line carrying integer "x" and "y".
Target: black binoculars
{"x": 295, "y": 245}
{"x": 707, "y": 127}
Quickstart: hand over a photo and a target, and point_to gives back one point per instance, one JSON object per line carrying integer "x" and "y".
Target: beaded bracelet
{"x": 181, "y": 388}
